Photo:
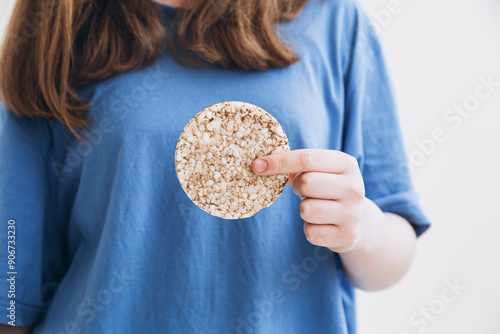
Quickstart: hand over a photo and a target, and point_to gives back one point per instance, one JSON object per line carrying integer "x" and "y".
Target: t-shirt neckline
{"x": 169, "y": 10}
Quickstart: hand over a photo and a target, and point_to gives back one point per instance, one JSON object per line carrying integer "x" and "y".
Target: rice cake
{"x": 214, "y": 155}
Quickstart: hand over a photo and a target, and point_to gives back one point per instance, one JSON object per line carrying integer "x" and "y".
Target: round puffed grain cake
{"x": 214, "y": 155}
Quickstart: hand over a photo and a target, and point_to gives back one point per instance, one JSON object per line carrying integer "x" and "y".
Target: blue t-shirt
{"x": 106, "y": 240}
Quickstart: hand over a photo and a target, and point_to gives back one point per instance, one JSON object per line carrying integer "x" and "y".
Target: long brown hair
{"x": 52, "y": 47}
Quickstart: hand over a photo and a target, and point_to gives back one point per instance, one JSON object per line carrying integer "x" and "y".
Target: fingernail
{"x": 260, "y": 166}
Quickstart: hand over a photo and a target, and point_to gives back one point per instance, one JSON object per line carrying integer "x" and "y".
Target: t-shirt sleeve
{"x": 372, "y": 132}
{"x": 25, "y": 199}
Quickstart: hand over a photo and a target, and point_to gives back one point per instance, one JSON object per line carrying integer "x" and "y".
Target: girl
{"x": 95, "y": 95}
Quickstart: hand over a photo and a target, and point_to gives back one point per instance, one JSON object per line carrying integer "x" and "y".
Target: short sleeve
{"x": 27, "y": 190}
{"x": 372, "y": 132}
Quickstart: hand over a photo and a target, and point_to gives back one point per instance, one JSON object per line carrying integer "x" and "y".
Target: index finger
{"x": 305, "y": 160}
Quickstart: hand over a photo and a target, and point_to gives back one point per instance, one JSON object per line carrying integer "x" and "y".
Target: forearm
{"x": 384, "y": 253}
{"x": 8, "y": 329}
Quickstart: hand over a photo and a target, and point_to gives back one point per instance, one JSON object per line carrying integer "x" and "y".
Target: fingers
{"x": 331, "y": 187}
{"x": 321, "y": 211}
{"x": 328, "y": 186}
{"x": 331, "y": 224}
{"x": 318, "y": 185}
{"x": 331, "y": 236}
{"x": 307, "y": 160}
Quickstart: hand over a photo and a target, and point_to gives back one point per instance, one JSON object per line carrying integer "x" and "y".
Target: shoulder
{"x": 343, "y": 20}
{"x": 352, "y": 17}
{"x": 343, "y": 27}
{"x": 348, "y": 11}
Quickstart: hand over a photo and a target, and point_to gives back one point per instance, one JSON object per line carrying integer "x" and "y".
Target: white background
{"x": 436, "y": 51}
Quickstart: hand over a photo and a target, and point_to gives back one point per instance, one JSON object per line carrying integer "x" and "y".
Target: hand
{"x": 332, "y": 191}
{"x": 376, "y": 248}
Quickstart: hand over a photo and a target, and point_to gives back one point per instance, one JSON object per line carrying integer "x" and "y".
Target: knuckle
{"x": 355, "y": 190}
{"x": 362, "y": 192}
{"x": 278, "y": 164}
{"x": 352, "y": 161}
{"x": 305, "y": 160}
